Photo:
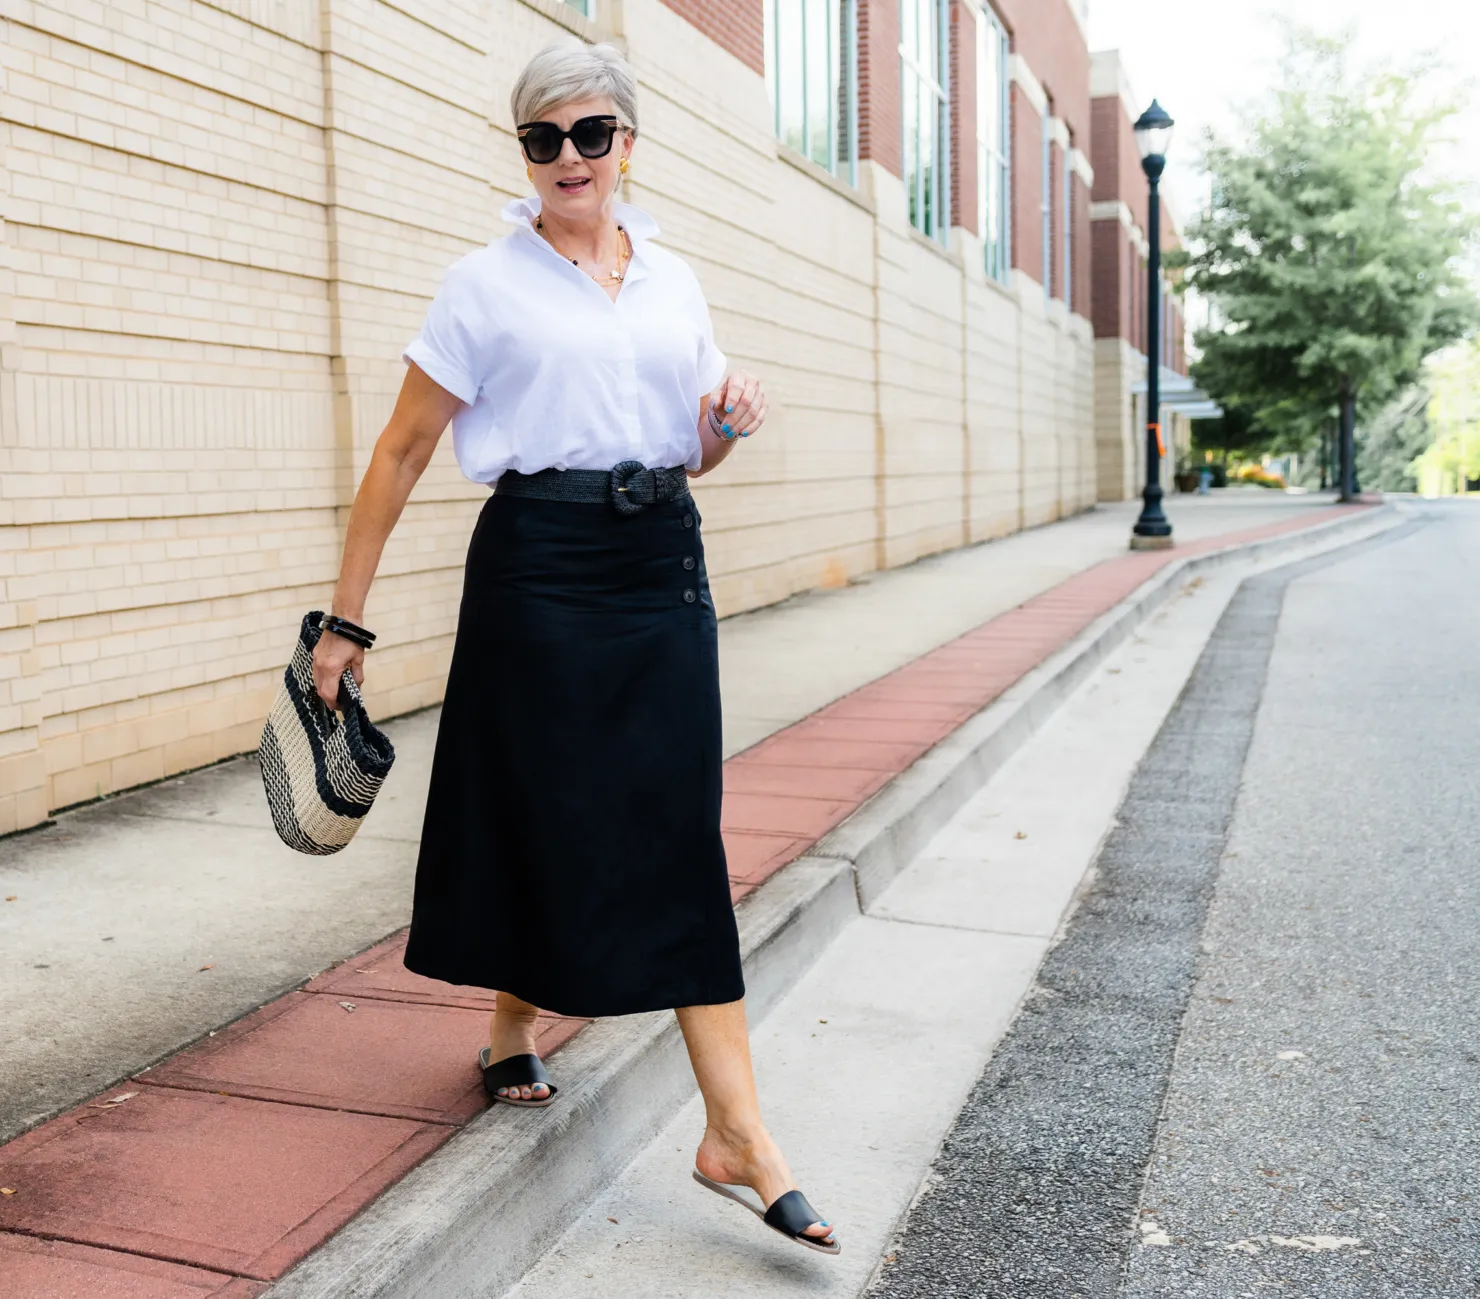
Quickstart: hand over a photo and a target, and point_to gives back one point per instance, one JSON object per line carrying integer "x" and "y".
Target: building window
{"x": 923, "y": 63}
{"x": 1068, "y": 229}
{"x": 1045, "y": 201}
{"x": 993, "y": 158}
{"x": 812, "y": 68}
{"x": 587, "y": 8}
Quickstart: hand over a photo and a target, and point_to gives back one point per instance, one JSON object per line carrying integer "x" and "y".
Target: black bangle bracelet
{"x": 717, "y": 428}
{"x": 350, "y": 631}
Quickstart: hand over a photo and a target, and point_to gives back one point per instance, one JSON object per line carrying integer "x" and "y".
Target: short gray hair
{"x": 570, "y": 71}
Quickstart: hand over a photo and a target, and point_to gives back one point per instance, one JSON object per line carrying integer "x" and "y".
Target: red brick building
{"x": 1119, "y": 292}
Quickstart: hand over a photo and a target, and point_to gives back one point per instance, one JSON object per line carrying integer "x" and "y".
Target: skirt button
{"x": 688, "y": 561}
{"x": 688, "y": 520}
{"x": 689, "y": 597}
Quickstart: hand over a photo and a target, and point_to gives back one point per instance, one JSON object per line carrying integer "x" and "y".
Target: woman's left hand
{"x": 739, "y": 404}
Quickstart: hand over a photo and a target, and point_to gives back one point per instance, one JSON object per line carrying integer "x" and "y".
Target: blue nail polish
{"x": 746, "y": 434}
{"x": 727, "y": 428}
{"x": 729, "y": 410}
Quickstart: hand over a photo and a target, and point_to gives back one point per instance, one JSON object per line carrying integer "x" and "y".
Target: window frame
{"x": 1069, "y": 226}
{"x": 1045, "y": 200}
{"x": 994, "y": 159}
{"x": 937, "y": 82}
{"x": 846, "y": 12}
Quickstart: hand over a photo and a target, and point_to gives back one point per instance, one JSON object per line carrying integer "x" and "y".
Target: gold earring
{"x": 622, "y": 166}
{"x": 529, "y": 171}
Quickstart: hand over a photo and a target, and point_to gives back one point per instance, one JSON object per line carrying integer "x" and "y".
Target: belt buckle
{"x": 625, "y": 500}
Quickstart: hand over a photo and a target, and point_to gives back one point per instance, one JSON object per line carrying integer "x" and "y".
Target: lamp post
{"x": 1153, "y": 131}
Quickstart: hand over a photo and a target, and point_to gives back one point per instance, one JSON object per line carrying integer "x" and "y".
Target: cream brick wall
{"x": 1119, "y": 419}
{"x": 220, "y": 221}
{"x": 1118, "y": 426}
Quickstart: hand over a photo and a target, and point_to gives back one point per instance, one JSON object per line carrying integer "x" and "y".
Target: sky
{"x": 1201, "y": 62}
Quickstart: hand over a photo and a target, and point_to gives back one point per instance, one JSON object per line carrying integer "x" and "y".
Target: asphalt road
{"x": 1252, "y": 1065}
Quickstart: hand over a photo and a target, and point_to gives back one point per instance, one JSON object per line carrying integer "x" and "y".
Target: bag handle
{"x": 349, "y": 687}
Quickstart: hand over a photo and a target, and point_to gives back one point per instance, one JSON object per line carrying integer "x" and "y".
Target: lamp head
{"x": 1153, "y": 131}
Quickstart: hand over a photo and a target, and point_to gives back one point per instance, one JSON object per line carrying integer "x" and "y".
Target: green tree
{"x": 1233, "y": 433}
{"x": 1393, "y": 439}
{"x": 1451, "y": 460}
{"x": 1331, "y": 262}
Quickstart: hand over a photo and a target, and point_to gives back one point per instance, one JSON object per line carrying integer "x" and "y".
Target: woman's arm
{"x": 740, "y": 407}
{"x": 401, "y": 455}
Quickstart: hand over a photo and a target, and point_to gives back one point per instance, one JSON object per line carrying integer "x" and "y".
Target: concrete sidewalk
{"x": 140, "y": 925}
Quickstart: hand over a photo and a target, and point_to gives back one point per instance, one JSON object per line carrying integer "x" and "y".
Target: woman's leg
{"x": 512, "y": 1033}
{"x": 736, "y": 1147}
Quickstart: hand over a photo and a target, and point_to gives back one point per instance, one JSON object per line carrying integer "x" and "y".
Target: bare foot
{"x": 755, "y": 1162}
{"x": 513, "y": 1033}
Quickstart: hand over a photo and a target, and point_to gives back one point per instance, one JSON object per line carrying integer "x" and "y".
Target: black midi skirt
{"x": 571, "y": 853}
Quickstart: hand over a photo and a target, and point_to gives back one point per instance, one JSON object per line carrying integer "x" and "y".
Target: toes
{"x": 525, "y": 1092}
{"x": 820, "y": 1231}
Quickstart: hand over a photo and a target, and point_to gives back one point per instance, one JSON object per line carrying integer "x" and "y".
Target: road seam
{"x": 965, "y": 929}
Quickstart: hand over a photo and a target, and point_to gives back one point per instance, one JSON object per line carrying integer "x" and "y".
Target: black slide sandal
{"x": 790, "y": 1214}
{"x": 516, "y": 1071}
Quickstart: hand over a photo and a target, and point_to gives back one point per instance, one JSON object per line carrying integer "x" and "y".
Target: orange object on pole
{"x": 1161, "y": 447}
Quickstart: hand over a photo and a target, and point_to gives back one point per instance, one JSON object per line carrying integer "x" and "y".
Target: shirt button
{"x": 688, "y": 561}
{"x": 688, "y": 520}
{"x": 689, "y": 597}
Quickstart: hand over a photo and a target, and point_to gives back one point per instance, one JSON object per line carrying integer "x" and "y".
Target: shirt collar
{"x": 640, "y": 227}
{"x": 522, "y": 212}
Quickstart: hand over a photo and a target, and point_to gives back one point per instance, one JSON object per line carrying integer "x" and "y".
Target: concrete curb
{"x": 473, "y": 1218}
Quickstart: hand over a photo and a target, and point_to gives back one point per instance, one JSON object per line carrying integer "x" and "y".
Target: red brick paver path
{"x": 214, "y": 1172}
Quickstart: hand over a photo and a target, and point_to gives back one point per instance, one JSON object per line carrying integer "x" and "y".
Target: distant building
{"x": 1119, "y": 249}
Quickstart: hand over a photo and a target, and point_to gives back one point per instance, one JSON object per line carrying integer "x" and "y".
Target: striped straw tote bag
{"x": 321, "y": 769}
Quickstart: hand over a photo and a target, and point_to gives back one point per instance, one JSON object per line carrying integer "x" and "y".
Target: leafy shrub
{"x": 1260, "y": 476}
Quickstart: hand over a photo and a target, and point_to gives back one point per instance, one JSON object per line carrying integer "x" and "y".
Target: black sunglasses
{"x": 592, "y": 137}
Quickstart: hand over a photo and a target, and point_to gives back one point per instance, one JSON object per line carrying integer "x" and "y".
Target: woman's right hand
{"x": 330, "y": 658}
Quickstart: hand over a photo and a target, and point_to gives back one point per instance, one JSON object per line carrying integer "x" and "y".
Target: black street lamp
{"x": 1153, "y": 133}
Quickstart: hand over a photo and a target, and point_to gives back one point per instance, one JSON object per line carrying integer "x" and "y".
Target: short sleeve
{"x": 447, "y": 347}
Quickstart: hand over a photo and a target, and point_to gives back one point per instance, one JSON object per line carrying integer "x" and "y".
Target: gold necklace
{"x": 624, "y": 255}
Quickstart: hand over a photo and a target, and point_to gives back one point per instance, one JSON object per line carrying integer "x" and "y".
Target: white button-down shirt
{"x": 552, "y": 372}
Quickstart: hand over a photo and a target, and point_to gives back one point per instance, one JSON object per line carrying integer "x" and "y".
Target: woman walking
{"x": 571, "y": 856}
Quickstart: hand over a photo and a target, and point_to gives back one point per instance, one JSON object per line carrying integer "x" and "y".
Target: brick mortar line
{"x": 274, "y": 32}
{"x": 235, "y": 264}
{"x": 422, "y": 21}
{"x": 129, "y": 61}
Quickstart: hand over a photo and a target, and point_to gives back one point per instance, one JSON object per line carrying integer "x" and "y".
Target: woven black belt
{"x": 630, "y": 487}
